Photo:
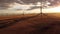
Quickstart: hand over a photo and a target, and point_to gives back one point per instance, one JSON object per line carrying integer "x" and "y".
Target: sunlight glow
{"x": 16, "y": 6}
{"x": 52, "y": 10}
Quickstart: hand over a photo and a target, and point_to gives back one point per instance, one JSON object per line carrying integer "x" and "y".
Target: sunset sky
{"x": 29, "y": 6}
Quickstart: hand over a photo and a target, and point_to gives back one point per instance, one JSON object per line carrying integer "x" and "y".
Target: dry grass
{"x": 46, "y": 24}
{"x": 16, "y": 16}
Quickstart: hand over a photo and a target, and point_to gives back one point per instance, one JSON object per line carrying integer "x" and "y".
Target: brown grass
{"x": 46, "y": 24}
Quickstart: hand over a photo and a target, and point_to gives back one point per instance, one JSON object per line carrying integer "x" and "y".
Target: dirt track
{"x": 32, "y": 25}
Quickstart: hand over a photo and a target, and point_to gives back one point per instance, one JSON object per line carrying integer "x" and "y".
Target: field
{"x": 47, "y": 23}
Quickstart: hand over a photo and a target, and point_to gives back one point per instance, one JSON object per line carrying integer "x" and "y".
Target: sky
{"x": 5, "y": 4}
{"x": 28, "y": 4}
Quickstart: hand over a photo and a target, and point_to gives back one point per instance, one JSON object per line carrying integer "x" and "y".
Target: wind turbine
{"x": 41, "y": 8}
{"x": 43, "y": 3}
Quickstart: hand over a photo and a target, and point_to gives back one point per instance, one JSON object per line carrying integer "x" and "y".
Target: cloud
{"x": 4, "y": 4}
